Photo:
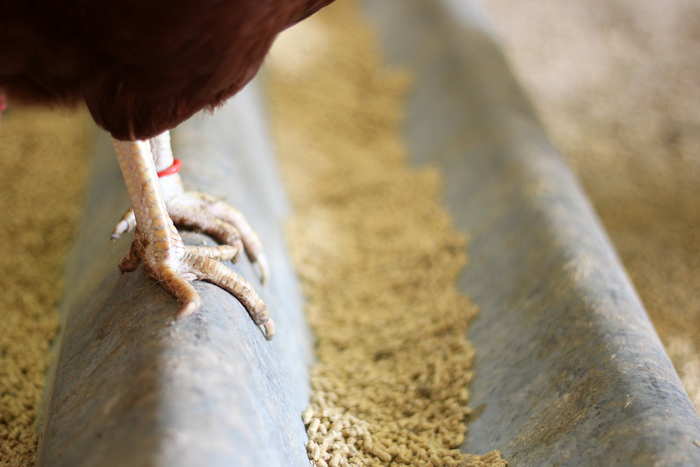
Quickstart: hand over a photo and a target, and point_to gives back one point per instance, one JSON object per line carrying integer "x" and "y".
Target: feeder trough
{"x": 569, "y": 369}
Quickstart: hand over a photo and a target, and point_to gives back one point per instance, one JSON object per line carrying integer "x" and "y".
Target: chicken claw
{"x": 164, "y": 255}
{"x": 201, "y": 212}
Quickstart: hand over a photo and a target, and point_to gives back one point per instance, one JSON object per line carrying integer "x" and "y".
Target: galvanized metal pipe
{"x": 570, "y": 371}
{"x": 134, "y": 388}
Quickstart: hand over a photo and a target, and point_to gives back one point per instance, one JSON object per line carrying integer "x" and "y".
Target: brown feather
{"x": 142, "y": 67}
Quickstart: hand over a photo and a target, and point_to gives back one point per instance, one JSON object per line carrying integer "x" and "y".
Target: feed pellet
{"x": 43, "y": 164}
{"x": 377, "y": 254}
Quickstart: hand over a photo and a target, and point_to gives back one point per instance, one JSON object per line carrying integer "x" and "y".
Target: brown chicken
{"x": 142, "y": 67}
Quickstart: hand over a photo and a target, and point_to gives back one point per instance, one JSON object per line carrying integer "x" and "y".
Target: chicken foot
{"x": 200, "y": 212}
{"x": 159, "y": 246}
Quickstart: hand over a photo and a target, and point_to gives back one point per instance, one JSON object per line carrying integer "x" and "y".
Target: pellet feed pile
{"x": 617, "y": 84}
{"x": 44, "y": 157}
{"x": 377, "y": 255}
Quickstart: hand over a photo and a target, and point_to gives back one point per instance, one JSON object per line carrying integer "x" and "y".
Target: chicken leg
{"x": 158, "y": 244}
{"x": 199, "y": 211}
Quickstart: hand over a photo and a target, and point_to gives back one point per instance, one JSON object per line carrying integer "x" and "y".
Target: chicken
{"x": 142, "y": 67}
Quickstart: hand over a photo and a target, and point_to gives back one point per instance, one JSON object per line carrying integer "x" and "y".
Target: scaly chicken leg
{"x": 158, "y": 244}
{"x": 200, "y": 211}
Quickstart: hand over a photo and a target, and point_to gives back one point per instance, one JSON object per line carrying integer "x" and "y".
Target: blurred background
{"x": 617, "y": 87}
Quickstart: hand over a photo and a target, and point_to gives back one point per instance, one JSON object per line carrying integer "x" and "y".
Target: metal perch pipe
{"x": 132, "y": 386}
{"x": 569, "y": 368}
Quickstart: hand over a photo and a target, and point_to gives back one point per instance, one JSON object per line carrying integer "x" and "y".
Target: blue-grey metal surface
{"x": 569, "y": 369}
{"x": 134, "y": 388}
